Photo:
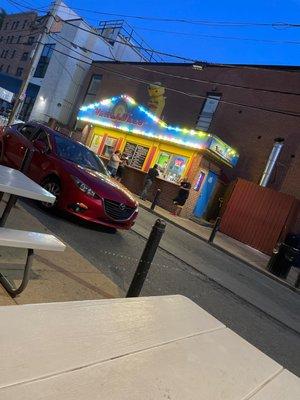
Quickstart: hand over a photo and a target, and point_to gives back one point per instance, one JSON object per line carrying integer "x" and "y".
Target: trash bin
{"x": 285, "y": 256}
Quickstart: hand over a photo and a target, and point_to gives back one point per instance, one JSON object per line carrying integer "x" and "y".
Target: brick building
{"x": 18, "y": 37}
{"x": 246, "y": 106}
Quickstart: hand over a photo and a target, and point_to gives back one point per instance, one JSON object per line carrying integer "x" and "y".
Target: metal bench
{"x": 30, "y": 241}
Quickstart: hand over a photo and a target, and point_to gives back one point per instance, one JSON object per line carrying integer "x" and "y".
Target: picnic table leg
{"x": 9, "y": 287}
{"x": 11, "y": 202}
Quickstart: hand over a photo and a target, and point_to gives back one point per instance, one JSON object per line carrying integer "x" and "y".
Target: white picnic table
{"x": 16, "y": 184}
{"x": 13, "y": 181}
{"x": 155, "y": 348}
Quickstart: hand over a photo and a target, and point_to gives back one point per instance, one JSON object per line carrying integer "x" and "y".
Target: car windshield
{"x": 78, "y": 154}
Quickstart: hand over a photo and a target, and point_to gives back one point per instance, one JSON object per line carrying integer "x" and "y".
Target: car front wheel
{"x": 52, "y": 185}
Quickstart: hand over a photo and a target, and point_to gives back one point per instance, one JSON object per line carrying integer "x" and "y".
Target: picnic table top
{"x": 13, "y": 181}
{"x": 160, "y": 348}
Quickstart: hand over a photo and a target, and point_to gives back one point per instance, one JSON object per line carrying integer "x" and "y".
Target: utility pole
{"x": 36, "y": 53}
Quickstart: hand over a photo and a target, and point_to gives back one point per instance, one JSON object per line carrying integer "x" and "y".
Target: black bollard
{"x": 214, "y": 230}
{"x": 155, "y": 200}
{"x": 146, "y": 259}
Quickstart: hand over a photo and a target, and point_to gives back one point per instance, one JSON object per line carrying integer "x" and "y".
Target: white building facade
{"x": 66, "y": 57}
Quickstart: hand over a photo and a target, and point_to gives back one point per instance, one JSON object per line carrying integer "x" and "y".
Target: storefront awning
{"x": 125, "y": 114}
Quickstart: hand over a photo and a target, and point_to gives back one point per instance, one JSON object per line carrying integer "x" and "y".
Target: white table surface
{"x": 159, "y": 348}
{"x": 15, "y": 182}
{"x": 30, "y": 240}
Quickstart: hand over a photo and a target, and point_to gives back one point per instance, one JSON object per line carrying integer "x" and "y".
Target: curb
{"x": 254, "y": 267}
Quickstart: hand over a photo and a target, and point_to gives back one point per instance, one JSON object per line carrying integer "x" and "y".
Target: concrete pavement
{"x": 55, "y": 276}
{"x": 252, "y": 257}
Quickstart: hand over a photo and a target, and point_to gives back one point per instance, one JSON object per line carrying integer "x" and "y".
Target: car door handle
{"x": 22, "y": 148}
{"x": 7, "y": 136}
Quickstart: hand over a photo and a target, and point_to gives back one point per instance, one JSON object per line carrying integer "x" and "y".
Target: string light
{"x": 199, "y": 139}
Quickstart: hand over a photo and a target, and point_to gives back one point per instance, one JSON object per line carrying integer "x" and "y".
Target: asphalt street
{"x": 256, "y": 307}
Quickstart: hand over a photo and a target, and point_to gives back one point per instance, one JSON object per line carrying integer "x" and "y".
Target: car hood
{"x": 105, "y": 186}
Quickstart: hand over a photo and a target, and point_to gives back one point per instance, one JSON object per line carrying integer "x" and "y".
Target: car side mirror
{"x": 41, "y": 146}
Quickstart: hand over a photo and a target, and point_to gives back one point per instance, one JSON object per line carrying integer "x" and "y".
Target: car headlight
{"x": 84, "y": 188}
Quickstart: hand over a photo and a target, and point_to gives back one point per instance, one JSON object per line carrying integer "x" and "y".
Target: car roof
{"x": 54, "y": 132}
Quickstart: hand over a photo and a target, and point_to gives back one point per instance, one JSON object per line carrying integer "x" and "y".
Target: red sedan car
{"x": 70, "y": 171}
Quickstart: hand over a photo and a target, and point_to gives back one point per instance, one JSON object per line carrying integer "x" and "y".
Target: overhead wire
{"x": 193, "y": 95}
{"x": 127, "y": 42}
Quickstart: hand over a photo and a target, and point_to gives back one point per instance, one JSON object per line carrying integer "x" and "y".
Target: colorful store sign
{"x": 123, "y": 113}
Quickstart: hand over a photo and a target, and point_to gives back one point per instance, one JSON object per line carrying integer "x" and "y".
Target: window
{"x": 19, "y": 39}
{"x": 24, "y": 24}
{"x": 11, "y": 39}
{"x": 1, "y": 39}
{"x": 2, "y": 54}
{"x": 171, "y": 166}
{"x": 7, "y": 69}
{"x": 16, "y": 24}
{"x": 109, "y": 146}
{"x": 30, "y": 40}
{"x": 90, "y": 96}
{"x": 6, "y": 25}
{"x": 135, "y": 154}
{"x": 19, "y": 71}
{"x": 72, "y": 151}
{"x": 95, "y": 143}
{"x": 7, "y": 39}
{"x": 25, "y": 56}
{"x": 27, "y": 131}
{"x": 42, "y": 66}
{"x": 208, "y": 110}
{"x": 13, "y": 54}
{"x": 1, "y": 67}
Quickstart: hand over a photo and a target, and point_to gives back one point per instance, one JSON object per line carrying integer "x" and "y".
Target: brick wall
{"x": 251, "y": 131}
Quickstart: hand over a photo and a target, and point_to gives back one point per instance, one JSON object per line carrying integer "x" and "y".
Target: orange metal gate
{"x": 256, "y": 215}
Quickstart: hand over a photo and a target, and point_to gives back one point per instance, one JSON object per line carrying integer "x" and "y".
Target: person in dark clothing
{"x": 121, "y": 168}
{"x": 150, "y": 177}
{"x": 182, "y": 196}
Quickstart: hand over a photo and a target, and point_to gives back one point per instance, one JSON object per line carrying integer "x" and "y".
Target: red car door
{"x": 15, "y": 142}
{"x": 41, "y": 161}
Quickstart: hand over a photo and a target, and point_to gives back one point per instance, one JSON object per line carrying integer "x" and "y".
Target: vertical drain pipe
{"x": 277, "y": 147}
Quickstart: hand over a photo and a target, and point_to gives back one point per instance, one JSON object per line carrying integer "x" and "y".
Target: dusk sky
{"x": 250, "y": 44}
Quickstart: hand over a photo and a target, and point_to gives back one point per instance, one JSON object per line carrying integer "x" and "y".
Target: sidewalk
{"x": 242, "y": 252}
{"x": 55, "y": 276}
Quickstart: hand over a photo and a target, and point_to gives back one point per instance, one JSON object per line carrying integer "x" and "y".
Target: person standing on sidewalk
{"x": 113, "y": 163}
{"x": 150, "y": 177}
{"x": 182, "y": 196}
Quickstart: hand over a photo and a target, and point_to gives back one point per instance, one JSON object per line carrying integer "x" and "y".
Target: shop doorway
{"x": 205, "y": 194}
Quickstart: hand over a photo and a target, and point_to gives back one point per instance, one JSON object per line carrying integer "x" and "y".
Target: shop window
{"x": 90, "y": 96}
{"x": 207, "y": 112}
{"x": 109, "y": 146}
{"x": 95, "y": 143}
{"x": 171, "y": 166}
{"x": 44, "y": 60}
{"x": 135, "y": 154}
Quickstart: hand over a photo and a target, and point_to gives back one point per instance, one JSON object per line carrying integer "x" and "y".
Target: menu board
{"x": 136, "y": 154}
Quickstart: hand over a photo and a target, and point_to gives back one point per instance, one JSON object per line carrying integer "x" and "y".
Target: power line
{"x": 126, "y": 76}
{"x": 218, "y": 82}
{"x": 191, "y": 21}
{"x": 177, "y": 76}
{"x": 202, "y": 35}
{"x": 181, "y": 58}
